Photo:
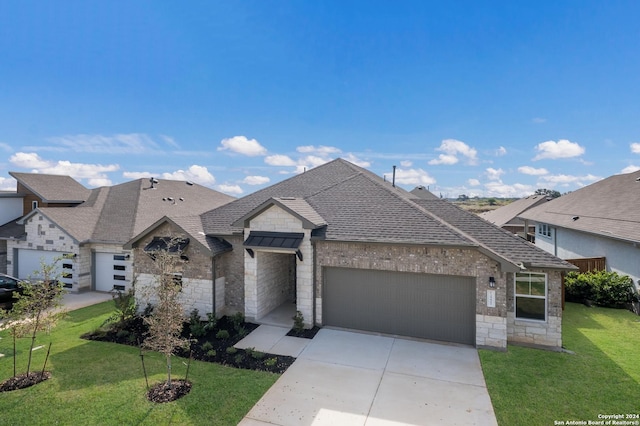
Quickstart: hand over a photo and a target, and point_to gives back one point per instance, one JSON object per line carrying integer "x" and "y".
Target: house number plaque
{"x": 491, "y": 298}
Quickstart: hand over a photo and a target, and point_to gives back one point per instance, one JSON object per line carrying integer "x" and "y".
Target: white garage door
{"x": 112, "y": 271}
{"x": 30, "y": 264}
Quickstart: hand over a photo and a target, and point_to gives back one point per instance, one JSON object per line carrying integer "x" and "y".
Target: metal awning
{"x": 280, "y": 241}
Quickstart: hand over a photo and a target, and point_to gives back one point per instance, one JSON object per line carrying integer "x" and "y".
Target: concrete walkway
{"x": 349, "y": 378}
{"x": 74, "y": 301}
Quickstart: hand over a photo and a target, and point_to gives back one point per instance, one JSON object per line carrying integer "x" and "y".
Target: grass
{"x": 535, "y": 387}
{"x": 98, "y": 383}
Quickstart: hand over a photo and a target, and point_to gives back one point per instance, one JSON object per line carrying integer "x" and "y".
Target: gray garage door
{"x": 438, "y": 307}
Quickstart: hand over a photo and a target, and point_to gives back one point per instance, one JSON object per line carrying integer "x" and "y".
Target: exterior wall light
{"x": 492, "y": 282}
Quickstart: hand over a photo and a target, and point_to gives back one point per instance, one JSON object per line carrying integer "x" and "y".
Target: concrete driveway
{"x": 349, "y": 378}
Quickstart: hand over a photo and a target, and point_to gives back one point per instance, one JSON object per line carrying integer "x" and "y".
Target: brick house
{"x": 89, "y": 234}
{"x": 349, "y": 250}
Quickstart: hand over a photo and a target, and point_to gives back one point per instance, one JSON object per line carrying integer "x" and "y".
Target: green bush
{"x": 298, "y": 322}
{"x": 602, "y": 288}
{"x": 206, "y": 346}
{"x": 196, "y": 328}
{"x": 237, "y": 319}
{"x": 270, "y": 362}
{"x": 231, "y": 350}
{"x": 222, "y": 335}
{"x": 212, "y": 353}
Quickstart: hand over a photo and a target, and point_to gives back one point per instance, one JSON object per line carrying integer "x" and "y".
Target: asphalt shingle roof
{"x": 115, "y": 214}
{"x": 53, "y": 188}
{"x": 610, "y": 207}
{"x": 359, "y": 206}
{"x": 509, "y": 213}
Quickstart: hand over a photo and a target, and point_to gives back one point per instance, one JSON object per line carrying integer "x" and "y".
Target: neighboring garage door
{"x": 29, "y": 264}
{"x": 111, "y": 271}
{"x": 438, "y": 307}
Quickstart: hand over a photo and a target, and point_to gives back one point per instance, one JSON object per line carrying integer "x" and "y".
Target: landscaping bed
{"x": 209, "y": 344}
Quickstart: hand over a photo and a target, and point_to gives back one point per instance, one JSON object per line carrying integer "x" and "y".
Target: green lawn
{"x": 535, "y": 387}
{"x": 98, "y": 383}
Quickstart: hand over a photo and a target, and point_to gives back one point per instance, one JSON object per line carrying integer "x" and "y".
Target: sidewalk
{"x": 73, "y": 301}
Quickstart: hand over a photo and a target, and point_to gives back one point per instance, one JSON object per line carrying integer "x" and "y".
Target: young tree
{"x": 38, "y": 308}
{"x": 166, "y": 320}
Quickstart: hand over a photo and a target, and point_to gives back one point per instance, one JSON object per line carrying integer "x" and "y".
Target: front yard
{"x": 98, "y": 383}
{"x": 535, "y": 387}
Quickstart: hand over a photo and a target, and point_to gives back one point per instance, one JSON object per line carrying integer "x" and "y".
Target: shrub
{"x": 212, "y": 322}
{"x": 242, "y": 332}
{"x": 212, "y": 353}
{"x": 270, "y": 362}
{"x": 222, "y": 335}
{"x": 231, "y": 350}
{"x": 608, "y": 289}
{"x": 257, "y": 355}
{"x": 206, "y": 346}
{"x": 237, "y": 319}
{"x": 239, "y": 358}
{"x": 298, "y": 322}
{"x": 196, "y": 328}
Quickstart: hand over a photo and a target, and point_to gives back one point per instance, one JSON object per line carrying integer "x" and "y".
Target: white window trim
{"x": 34, "y": 204}
{"x": 543, "y": 230}
{"x": 545, "y": 297}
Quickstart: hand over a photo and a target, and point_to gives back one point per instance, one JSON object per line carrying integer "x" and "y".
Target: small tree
{"x": 166, "y": 321}
{"x": 38, "y": 308}
{"x": 551, "y": 193}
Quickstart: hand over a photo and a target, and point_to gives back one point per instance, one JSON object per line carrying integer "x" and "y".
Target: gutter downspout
{"x": 213, "y": 286}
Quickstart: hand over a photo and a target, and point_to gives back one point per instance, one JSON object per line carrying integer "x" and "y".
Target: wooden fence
{"x": 586, "y": 264}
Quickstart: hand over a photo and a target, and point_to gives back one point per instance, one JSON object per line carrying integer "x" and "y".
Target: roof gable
{"x": 608, "y": 208}
{"x": 296, "y": 207}
{"x": 506, "y": 214}
{"x": 53, "y": 188}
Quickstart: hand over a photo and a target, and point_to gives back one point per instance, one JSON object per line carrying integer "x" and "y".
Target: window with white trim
{"x": 544, "y": 230}
{"x": 34, "y": 204}
{"x": 531, "y": 296}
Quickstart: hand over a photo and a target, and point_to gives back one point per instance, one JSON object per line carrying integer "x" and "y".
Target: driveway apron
{"x": 350, "y": 378}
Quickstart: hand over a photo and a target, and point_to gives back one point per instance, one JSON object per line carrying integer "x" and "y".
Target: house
{"x": 34, "y": 190}
{"x": 599, "y": 220}
{"x": 349, "y": 250}
{"x": 507, "y": 217}
{"x": 89, "y": 235}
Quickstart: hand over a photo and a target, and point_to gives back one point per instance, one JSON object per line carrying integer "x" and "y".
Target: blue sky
{"x": 488, "y": 98}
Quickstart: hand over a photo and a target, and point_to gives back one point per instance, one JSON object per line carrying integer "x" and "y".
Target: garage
{"x": 29, "y": 264}
{"x": 438, "y": 307}
{"x": 111, "y": 271}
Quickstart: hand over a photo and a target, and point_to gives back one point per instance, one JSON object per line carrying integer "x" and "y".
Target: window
{"x": 544, "y": 230}
{"x": 34, "y": 205}
{"x": 531, "y": 296}
{"x": 119, "y": 257}
{"x": 119, "y": 277}
{"x": 119, "y": 268}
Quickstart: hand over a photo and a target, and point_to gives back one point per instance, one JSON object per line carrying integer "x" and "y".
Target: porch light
{"x": 492, "y": 282}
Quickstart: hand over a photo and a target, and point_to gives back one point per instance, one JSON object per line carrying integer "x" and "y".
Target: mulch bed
{"x": 304, "y": 333}
{"x": 207, "y": 347}
{"x": 163, "y": 393}
{"x": 22, "y": 381}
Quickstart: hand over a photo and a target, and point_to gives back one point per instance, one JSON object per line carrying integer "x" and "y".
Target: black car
{"x": 8, "y": 288}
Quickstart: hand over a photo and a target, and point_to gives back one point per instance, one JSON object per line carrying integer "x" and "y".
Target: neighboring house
{"x": 352, "y": 251}
{"x": 34, "y": 190}
{"x": 506, "y": 217}
{"x": 90, "y": 236}
{"x": 599, "y": 220}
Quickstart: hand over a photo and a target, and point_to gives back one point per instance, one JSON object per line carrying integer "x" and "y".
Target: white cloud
{"x": 411, "y": 177}
{"x": 138, "y": 175}
{"x": 406, "y": 163}
{"x": 532, "y": 171}
{"x": 230, "y": 189}
{"x": 309, "y": 162}
{"x": 452, "y": 148}
{"x": 256, "y": 180}
{"x": 494, "y": 174}
{"x": 97, "y": 182}
{"x": 320, "y": 150}
{"x": 5, "y": 147}
{"x": 565, "y": 180}
{"x": 131, "y": 143}
{"x": 355, "y": 160}
{"x": 242, "y": 145}
{"x": 91, "y": 172}
{"x": 501, "y": 151}
{"x": 635, "y": 147}
{"x": 630, "y": 169}
{"x": 502, "y": 190}
{"x": 279, "y": 160}
{"x": 473, "y": 182}
{"x": 7, "y": 184}
{"x": 170, "y": 141}
{"x": 195, "y": 173}
{"x": 561, "y": 149}
{"x": 444, "y": 159}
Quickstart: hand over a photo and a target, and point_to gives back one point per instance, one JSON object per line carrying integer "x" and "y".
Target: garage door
{"x": 438, "y": 307}
{"x": 29, "y": 264}
{"x": 111, "y": 271}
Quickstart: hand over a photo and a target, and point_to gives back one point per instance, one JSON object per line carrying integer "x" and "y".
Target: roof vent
{"x": 189, "y": 183}
{"x": 152, "y": 181}
{"x": 575, "y": 218}
{"x": 288, "y": 198}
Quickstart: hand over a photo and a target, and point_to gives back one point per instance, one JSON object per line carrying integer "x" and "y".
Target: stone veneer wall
{"x": 273, "y": 280}
{"x": 542, "y": 333}
{"x": 490, "y": 322}
{"x": 276, "y": 219}
{"x": 195, "y": 294}
{"x": 231, "y": 266}
{"x": 45, "y": 235}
